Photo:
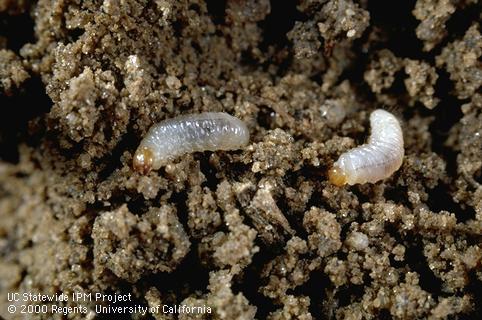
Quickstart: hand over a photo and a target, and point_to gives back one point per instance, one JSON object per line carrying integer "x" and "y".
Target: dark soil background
{"x": 259, "y": 232}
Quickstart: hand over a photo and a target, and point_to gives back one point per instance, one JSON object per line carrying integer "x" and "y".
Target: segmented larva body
{"x": 171, "y": 138}
{"x": 376, "y": 160}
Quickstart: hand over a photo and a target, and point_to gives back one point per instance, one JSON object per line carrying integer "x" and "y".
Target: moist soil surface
{"x": 257, "y": 232}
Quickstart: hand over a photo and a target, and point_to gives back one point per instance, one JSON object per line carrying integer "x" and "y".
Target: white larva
{"x": 376, "y": 160}
{"x": 171, "y": 138}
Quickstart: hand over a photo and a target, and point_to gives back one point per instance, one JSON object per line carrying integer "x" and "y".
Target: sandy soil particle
{"x": 158, "y": 241}
{"x": 258, "y": 232}
{"x": 432, "y": 16}
{"x": 421, "y": 81}
{"x": 381, "y": 72}
{"x": 12, "y": 72}
{"x": 227, "y": 304}
{"x": 289, "y": 270}
{"x": 422, "y": 77}
{"x": 462, "y": 61}
{"x": 234, "y": 249}
{"x": 293, "y": 308}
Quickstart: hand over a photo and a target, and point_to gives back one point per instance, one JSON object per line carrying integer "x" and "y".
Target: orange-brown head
{"x": 143, "y": 159}
{"x": 337, "y": 176}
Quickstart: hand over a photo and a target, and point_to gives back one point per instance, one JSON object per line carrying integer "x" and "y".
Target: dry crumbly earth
{"x": 259, "y": 232}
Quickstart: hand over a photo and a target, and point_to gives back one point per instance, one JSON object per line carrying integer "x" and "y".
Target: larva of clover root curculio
{"x": 171, "y": 138}
{"x": 378, "y": 159}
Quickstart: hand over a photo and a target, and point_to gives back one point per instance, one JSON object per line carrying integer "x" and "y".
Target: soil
{"x": 259, "y": 232}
